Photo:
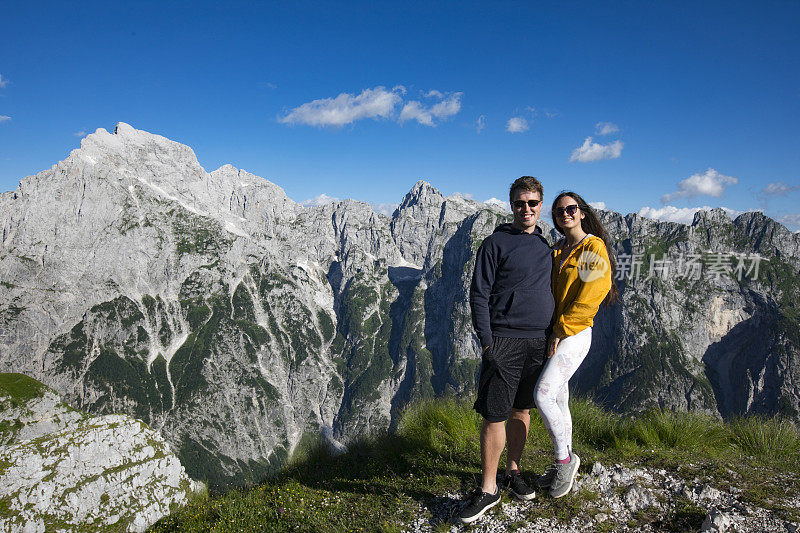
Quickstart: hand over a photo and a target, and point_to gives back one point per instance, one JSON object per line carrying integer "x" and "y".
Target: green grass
{"x": 20, "y": 388}
{"x": 445, "y": 427}
{"x": 379, "y": 483}
{"x": 765, "y": 437}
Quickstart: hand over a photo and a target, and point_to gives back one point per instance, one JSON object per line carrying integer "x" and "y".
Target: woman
{"x": 581, "y": 281}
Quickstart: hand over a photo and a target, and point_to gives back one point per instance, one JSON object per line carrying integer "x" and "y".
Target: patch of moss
{"x": 195, "y": 234}
{"x": 21, "y": 388}
{"x": 242, "y": 304}
{"x": 12, "y": 312}
{"x": 126, "y": 379}
{"x": 326, "y": 325}
{"x": 258, "y": 335}
{"x": 121, "y": 310}
{"x": 158, "y": 370}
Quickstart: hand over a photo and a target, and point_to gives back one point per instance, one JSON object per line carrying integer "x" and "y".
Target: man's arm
{"x": 479, "y": 292}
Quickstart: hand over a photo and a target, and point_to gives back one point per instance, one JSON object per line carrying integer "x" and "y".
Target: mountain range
{"x": 236, "y": 321}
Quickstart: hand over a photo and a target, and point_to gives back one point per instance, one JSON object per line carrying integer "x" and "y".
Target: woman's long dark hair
{"x": 590, "y": 223}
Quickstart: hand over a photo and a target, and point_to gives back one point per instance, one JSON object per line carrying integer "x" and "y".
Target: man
{"x": 512, "y": 306}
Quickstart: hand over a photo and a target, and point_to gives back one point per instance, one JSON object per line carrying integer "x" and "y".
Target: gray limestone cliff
{"x": 63, "y": 470}
{"x": 235, "y": 321}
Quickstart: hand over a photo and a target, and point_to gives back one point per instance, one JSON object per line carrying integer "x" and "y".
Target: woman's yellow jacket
{"x": 579, "y": 285}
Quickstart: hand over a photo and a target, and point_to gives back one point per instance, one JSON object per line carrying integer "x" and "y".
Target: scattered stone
{"x": 707, "y": 492}
{"x": 598, "y": 469}
{"x": 628, "y": 499}
{"x": 717, "y": 521}
{"x": 638, "y": 498}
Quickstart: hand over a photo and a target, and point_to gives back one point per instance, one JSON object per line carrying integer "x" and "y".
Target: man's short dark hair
{"x": 526, "y": 183}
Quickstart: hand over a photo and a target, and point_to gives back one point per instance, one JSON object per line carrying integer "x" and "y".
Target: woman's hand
{"x": 552, "y": 345}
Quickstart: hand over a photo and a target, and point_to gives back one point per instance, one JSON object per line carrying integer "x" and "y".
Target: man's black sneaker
{"x": 480, "y": 503}
{"x": 544, "y": 481}
{"x": 514, "y": 482}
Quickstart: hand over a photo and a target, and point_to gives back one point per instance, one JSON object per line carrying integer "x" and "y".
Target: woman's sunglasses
{"x": 570, "y": 210}
{"x": 520, "y": 204}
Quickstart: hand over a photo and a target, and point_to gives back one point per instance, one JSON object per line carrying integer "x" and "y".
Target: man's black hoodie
{"x": 510, "y": 293}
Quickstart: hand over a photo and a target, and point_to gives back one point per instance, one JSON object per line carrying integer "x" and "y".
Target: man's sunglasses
{"x": 570, "y": 210}
{"x": 520, "y": 204}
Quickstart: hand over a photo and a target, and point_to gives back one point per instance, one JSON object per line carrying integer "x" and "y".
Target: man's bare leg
{"x": 493, "y": 440}
{"x": 517, "y": 434}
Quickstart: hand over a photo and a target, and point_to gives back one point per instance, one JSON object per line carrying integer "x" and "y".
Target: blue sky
{"x": 687, "y": 104}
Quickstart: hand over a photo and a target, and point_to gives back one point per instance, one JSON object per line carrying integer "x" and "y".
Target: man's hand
{"x": 552, "y": 345}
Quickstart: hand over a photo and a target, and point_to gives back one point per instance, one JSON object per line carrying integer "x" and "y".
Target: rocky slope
{"x": 618, "y": 498}
{"x": 64, "y": 470}
{"x": 135, "y": 281}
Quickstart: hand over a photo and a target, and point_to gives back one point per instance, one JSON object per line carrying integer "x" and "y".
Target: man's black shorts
{"x": 510, "y": 369}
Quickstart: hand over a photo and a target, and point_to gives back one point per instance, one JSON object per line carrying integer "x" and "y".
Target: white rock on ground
{"x": 618, "y": 497}
{"x": 62, "y": 470}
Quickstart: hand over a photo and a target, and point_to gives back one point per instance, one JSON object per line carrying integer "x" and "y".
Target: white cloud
{"x": 415, "y": 110}
{"x": 791, "y": 221}
{"x": 346, "y": 108}
{"x": 591, "y": 151}
{"x": 709, "y": 183}
{"x": 81, "y": 133}
{"x": 605, "y": 128}
{"x": 3, "y": 81}
{"x": 384, "y": 209}
{"x": 480, "y": 124}
{"x": 465, "y": 195}
{"x": 773, "y": 190}
{"x": 517, "y": 125}
{"x": 683, "y": 215}
{"x": 498, "y": 202}
{"x": 4, "y": 118}
{"x": 447, "y": 107}
{"x": 598, "y": 205}
{"x": 374, "y": 103}
{"x": 322, "y": 199}
{"x": 779, "y": 189}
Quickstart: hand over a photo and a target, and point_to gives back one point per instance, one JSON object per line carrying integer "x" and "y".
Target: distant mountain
{"x": 235, "y": 321}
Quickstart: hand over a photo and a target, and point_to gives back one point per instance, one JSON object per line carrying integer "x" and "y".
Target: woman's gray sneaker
{"x": 565, "y": 476}
{"x": 480, "y": 503}
{"x": 517, "y": 486}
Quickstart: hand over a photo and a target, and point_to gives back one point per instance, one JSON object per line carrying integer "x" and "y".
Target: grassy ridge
{"x": 19, "y": 388}
{"x": 378, "y": 484}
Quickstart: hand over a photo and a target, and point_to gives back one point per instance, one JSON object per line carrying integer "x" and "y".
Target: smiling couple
{"x": 533, "y": 308}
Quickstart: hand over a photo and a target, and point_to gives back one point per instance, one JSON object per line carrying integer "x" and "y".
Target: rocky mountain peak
{"x": 127, "y": 148}
{"x": 123, "y": 128}
{"x": 767, "y": 235}
{"x": 714, "y": 216}
{"x": 421, "y": 193}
